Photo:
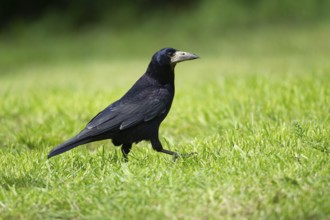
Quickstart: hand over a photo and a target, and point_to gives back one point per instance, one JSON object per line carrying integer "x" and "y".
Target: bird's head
{"x": 170, "y": 56}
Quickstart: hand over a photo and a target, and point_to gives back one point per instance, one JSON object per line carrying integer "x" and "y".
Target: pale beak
{"x": 180, "y": 56}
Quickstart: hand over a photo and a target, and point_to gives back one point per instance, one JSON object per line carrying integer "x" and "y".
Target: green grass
{"x": 255, "y": 108}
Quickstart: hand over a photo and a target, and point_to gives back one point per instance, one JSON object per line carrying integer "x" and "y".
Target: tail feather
{"x": 68, "y": 145}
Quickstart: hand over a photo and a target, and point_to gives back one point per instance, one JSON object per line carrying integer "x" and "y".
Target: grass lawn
{"x": 255, "y": 108}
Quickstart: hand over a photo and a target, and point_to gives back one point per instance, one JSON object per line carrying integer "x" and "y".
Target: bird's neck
{"x": 164, "y": 74}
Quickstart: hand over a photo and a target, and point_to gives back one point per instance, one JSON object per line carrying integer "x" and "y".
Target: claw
{"x": 176, "y": 156}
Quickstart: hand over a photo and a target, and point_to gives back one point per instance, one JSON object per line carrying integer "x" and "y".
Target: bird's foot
{"x": 176, "y": 156}
{"x": 125, "y": 158}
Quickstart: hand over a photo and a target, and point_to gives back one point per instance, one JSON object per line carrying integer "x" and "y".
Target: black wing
{"x": 127, "y": 112}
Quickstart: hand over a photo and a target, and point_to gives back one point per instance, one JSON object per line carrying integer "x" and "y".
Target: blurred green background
{"x": 52, "y": 32}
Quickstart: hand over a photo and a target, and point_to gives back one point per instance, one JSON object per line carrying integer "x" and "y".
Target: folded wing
{"x": 129, "y": 112}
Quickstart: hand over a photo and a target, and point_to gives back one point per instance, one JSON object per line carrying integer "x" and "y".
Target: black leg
{"x": 125, "y": 149}
{"x": 156, "y": 145}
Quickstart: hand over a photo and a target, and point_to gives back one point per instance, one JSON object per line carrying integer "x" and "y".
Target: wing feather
{"x": 126, "y": 113}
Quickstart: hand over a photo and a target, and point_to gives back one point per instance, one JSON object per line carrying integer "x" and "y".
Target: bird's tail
{"x": 68, "y": 145}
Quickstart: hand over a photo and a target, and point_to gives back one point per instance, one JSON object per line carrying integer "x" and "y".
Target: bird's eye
{"x": 170, "y": 54}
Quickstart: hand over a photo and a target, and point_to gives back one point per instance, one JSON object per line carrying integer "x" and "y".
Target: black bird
{"x": 139, "y": 113}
